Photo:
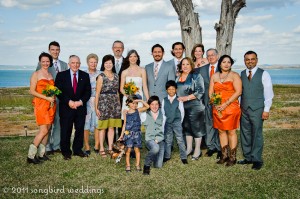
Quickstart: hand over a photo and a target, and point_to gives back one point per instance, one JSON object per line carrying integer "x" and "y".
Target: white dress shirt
{"x": 268, "y": 87}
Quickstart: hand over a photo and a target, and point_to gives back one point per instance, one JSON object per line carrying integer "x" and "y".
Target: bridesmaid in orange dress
{"x": 44, "y": 112}
{"x": 226, "y": 116}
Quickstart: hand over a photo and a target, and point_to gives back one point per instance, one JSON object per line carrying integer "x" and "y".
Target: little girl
{"x": 154, "y": 137}
{"x": 132, "y": 129}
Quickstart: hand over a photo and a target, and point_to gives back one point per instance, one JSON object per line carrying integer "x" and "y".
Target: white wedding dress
{"x": 139, "y": 83}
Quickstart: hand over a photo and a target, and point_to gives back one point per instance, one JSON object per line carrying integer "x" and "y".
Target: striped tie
{"x": 156, "y": 71}
{"x": 250, "y": 75}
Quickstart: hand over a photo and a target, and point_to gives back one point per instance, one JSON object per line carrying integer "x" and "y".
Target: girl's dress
{"x": 44, "y": 113}
{"x": 133, "y": 134}
{"x": 109, "y": 103}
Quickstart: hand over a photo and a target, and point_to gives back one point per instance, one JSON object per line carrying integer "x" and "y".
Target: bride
{"x": 133, "y": 72}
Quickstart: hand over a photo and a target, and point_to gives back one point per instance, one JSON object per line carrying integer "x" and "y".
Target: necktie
{"x": 250, "y": 75}
{"x": 212, "y": 71}
{"x": 74, "y": 82}
{"x": 56, "y": 67}
{"x": 117, "y": 66}
{"x": 155, "y": 71}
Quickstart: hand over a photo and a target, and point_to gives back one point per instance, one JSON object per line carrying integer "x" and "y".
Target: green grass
{"x": 279, "y": 178}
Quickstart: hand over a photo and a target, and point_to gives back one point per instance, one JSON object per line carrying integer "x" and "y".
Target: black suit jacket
{"x": 83, "y": 92}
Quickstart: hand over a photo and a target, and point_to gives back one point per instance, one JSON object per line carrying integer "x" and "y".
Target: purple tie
{"x": 74, "y": 82}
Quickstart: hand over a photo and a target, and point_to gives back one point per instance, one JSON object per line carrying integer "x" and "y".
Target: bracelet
{"x": 188, "y": 99}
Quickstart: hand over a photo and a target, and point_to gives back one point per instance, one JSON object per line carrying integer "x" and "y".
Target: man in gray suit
{"x": 212, "y": 135}
{"x": 53, "y": 144}
{"x": 256, "y": 101}
{"x": 178, "y": 49}
{"x": 158, "y": 73}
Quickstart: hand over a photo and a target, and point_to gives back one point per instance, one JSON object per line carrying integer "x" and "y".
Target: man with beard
{"x": 158, "y": 73}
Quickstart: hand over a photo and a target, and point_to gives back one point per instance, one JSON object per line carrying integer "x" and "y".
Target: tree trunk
{"x": 189, "y": 22}
{"x": 225, "y": 27}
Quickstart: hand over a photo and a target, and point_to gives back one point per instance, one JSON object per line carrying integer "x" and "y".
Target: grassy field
{"x": 102, "y": 178}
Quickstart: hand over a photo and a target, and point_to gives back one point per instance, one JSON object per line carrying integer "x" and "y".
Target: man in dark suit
{"x": 158, "y": 73}
{"x": 118, "y": 49}
{"x": 53, "y": 144}
{"x": 212, "y": 135}
{"x": 76, "y": 91}
{"x": 178, "y": 49}
{"x": 256, "y": 101}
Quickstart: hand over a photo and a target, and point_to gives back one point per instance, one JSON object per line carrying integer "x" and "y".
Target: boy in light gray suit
{"x": 158, "y": 73}
{"x": 53, "y": 144}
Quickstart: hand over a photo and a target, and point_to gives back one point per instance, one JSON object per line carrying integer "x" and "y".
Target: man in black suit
{"x": 76, "y": 91}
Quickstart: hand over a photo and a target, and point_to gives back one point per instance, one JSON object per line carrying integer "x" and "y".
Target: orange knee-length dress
{"x": 44, "y": 113}
{"x": 229, "y": 118}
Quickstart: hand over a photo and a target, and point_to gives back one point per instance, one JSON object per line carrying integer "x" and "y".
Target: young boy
{"x": 173, "y": 113}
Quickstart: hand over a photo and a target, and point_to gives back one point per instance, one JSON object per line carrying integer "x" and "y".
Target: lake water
{"x": 21, "y": 78}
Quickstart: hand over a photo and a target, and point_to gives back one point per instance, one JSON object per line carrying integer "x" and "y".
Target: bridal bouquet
{"x": 216, "y": 99}
{"x": 130, "y": 88}
{"x": 51, "y": 91}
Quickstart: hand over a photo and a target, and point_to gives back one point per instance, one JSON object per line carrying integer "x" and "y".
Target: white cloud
{"x": 297, "y": 29}
{"x": 157, "y": 35}
{"x": 246, "y": 19}
{"x": 255, "y": 29}
{"x": 28, "y": 4}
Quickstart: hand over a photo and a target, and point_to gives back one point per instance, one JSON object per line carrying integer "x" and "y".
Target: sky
{"x": 269, "y": 27}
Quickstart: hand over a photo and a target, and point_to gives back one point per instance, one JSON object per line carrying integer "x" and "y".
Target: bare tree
{"x": 189, "y": 23}
{"x": 190, "y": 26}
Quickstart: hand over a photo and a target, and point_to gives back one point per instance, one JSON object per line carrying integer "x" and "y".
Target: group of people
{"x": 174, "y": 98}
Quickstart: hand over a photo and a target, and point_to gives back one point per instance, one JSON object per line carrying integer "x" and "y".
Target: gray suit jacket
{"x": 172, "y": 63}
{"x": 63, "y": 67}
{"x": 204, "y": 71}
{"x": 158, "y": 86}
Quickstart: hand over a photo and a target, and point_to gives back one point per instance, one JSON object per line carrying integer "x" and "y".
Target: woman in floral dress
{"x": 107, "y": 102}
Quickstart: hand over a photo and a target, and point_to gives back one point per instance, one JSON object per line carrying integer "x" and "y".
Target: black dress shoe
{"x": 33, "y": 161}
{"x": 219, "y": 154}
{"x": 44, "y": 158}
{"x": 96, "y": 150}
{"x": 67, "y": 157}
{"x": 57, "y": 151}
{"x": 88, "y": 152}
{"x": 80, "y": 154}
{"x": 166, "y": 159}
{"x": 184, "y": 161}
{"x": 244, "y": 161}
{"x": 209, "y": 153}
{"x": 49, "y": 153}
{"x": 257, "y": 165}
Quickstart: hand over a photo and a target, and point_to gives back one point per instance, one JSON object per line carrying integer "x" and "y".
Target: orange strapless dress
{"x": 44, "y": 114}
{"x": 229, "y": 118}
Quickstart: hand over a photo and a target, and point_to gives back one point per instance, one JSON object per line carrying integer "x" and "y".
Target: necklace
{"x": 223, "y": 79}
{"x": 109, "y": 76}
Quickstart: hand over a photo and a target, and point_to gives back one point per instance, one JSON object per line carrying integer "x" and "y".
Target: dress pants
{"x": 54, "y": 134}
{"x": 66, "y": 124}
{"x": 252, "y": 135}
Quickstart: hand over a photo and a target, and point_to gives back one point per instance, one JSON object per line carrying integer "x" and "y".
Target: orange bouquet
{"x": 51, "y": 91}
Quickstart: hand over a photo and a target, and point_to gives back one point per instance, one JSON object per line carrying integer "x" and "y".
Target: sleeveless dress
{"x": 229, "y": 118}
{"x": 44, "y": 114}
{"x": 133, "y": 134}
{"x": 109, "y": 103}
{"x": 139, "y": 83}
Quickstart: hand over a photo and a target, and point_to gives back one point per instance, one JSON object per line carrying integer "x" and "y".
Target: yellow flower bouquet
{"x": 130, "y": 88}
{"x": 51, "y": 91}
{"x": 215, "y": 100}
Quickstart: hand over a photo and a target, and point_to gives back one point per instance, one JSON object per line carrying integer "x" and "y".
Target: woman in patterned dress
{"x": 107, "y": 102}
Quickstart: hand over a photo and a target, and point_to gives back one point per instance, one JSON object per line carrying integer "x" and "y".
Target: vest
{"x": 172, "y": 111}
{"x": 252, "y": 91}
